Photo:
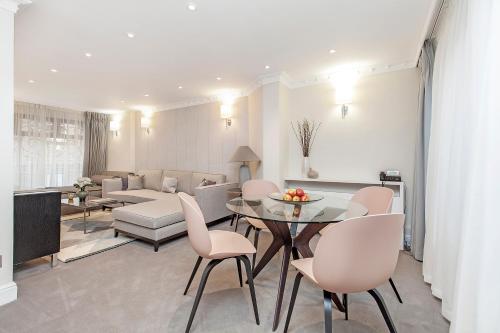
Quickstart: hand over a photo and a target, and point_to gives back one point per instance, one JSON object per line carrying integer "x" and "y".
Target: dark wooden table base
{"x": 282, "y": 237}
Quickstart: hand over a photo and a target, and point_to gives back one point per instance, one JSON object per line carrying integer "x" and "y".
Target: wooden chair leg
{"x": 249, "y": 228}
{"x": 296, "y": 285}
{"x": 198, "y": 261}
{"x": 344, "y": 302}
{"x": 238, "y": 263}
{"x": 248, "y": 269}
{"x": 255, "y": 244}
{"x": 327, "y": 304}
{"x": 395, "y": 290}
{"x": 203, "y": 282}
{"x": 383, "y": 308}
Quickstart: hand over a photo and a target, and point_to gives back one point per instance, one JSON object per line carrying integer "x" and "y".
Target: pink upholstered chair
{"x": 256, "y": 189}
{"x": 356, "y": 255}
{"x": 216, "y": 245}
{"x": 378, "y": 200}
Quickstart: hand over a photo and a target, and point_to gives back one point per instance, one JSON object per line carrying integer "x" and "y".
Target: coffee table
{"x": 89, "y": 204}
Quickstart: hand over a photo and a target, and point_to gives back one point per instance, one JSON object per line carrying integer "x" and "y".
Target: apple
{"x": 300, "y": 192}
{"x": 292, "y": 192}
{"x": 296, "y": 198}
{"x": 305, "y": 197}
{"x": 287, "y": 197}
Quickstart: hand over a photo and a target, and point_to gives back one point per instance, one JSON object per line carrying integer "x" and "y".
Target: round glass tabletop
{"x": 328, "y": 210}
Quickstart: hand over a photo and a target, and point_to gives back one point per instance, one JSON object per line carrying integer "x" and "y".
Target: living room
{"x": 323, "y": 140}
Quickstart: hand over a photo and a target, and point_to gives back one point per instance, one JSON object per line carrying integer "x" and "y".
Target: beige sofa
{"x": 156, "y": 216}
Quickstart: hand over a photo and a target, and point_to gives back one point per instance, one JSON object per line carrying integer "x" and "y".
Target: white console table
{"x": 345, "y": 188}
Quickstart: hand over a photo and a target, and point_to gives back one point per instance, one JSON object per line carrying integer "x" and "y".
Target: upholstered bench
{"x": 154, "y": 221}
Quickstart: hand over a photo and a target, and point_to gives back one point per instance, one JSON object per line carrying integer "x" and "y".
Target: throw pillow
{"x": 169, "y": 185}
{"x": 135, "y": 182}
{"x": 206, "y": 182}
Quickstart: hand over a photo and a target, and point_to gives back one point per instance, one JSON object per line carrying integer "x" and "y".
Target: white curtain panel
{"x": 48, "y": 146}
{"x": 462, "y": 244}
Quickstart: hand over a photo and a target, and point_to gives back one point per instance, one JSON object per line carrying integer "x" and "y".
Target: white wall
{"x": 193, "y": 138}
{"x": 121, "y": 147}
{"x": 377, "y": 134}
{"x": 255, "y": 129}
{"x": 8, "y": 289}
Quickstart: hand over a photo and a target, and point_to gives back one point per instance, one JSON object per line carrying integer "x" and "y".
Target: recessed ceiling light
{"x": 192, "y": 6}
{"x": 146, "y": 95}
{"x": 332, "y": 51}
{"x": 218, "y": 78}
{"x": 130, "y": 35}
{"x": 31, "y": 81}
{"x": 53, "y": 70}
{"x": 88, "y": 55}
{"x": 267, "y": 67}
{"x": 179, "y": 87}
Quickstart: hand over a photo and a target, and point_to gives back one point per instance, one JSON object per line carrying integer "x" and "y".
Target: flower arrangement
{"x": 305, "y": 132}
{"x": 82, "y": 183}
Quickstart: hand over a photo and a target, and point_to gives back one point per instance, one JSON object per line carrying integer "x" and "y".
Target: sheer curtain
{"x": 48, "y": 146}
{"x": 463, "y": 186}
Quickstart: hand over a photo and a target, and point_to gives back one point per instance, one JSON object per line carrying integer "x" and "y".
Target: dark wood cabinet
{"x": 37, "y": 224}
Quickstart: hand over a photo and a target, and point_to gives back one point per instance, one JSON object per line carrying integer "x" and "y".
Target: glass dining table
{"x": 282, "y": 219}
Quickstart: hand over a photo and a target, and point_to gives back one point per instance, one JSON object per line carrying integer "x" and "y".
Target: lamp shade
{"x": 244, "y": 154}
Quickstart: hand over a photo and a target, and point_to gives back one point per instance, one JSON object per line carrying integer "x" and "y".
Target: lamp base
{"x": 244, "y": 174}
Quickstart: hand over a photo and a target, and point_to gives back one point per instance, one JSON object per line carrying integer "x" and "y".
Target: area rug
{"x": 100, "y": 236}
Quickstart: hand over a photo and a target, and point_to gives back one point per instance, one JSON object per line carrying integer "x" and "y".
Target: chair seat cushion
{"x": 226, "y": 244}
{"x": 153, "y": 214}
{"x": 305, "y": 266}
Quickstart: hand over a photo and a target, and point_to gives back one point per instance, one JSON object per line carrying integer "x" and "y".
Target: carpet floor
{"x": 132, "y": 289}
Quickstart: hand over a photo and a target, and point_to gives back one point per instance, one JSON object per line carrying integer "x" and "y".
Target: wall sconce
{"x": 114, "y": 127}
{"x": 226, "y": 112}
{"x": 343, "y": 96}
{"x": 146, "y": 123}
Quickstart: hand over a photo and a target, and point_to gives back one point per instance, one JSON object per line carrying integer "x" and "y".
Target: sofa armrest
{"x": 212, "y": 200}
{"x": 111, "y": 185}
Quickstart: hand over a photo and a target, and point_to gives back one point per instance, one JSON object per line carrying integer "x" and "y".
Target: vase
{"x": 81, "y": 195}
{"x": 306, "y": 165}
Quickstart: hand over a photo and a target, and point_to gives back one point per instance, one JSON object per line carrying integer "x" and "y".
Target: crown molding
{"x": 285, "y": 79}
{"x": 13, "y": 5}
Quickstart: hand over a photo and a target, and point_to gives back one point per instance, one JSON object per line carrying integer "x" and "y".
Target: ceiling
{"x": 173, "y": 46}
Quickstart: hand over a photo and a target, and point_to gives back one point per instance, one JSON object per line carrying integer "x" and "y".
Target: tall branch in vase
{"x": 305, "y": 132}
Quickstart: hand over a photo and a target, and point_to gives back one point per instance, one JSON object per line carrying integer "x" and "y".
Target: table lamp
{"x": 244, "y": 154}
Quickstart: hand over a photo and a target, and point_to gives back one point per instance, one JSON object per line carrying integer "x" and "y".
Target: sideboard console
{"x": 37, "y": 224}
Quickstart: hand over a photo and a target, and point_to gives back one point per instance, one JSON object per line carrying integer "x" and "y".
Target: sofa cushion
{"x": 135, "y": 182}
{"x": 97, "y": 179}
{"x": 169, "y": 185}
{"x": 137, "y": 196}
{"x": 183, "y": 180}
{"x": 152, "y": 179}
{"x": 199, "y": 176}
{"x": 153, "y": 214}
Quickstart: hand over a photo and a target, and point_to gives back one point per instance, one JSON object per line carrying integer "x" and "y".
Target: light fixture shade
{"x": 114, "y": 125}
{"x": 145, "y": 122}
{"x": 244, "y": 154}
{"x": 226, "y": 111}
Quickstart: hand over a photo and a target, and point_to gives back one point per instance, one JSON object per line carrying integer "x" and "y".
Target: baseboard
{"x": 8, "y": 293}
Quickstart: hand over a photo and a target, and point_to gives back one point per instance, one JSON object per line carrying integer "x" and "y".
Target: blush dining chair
{"x": 355, "y": 255}
{"x": 256, "y": 189}
{"x": 378, "y": 200}
{"x": 216, "y": 245}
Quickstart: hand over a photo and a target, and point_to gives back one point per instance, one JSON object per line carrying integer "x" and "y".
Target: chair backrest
{"x": 377, "y": 199}
{"x": 358, "y": 254}
{"x": 257, "y": 188}
{"x": 197, "y": 229}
